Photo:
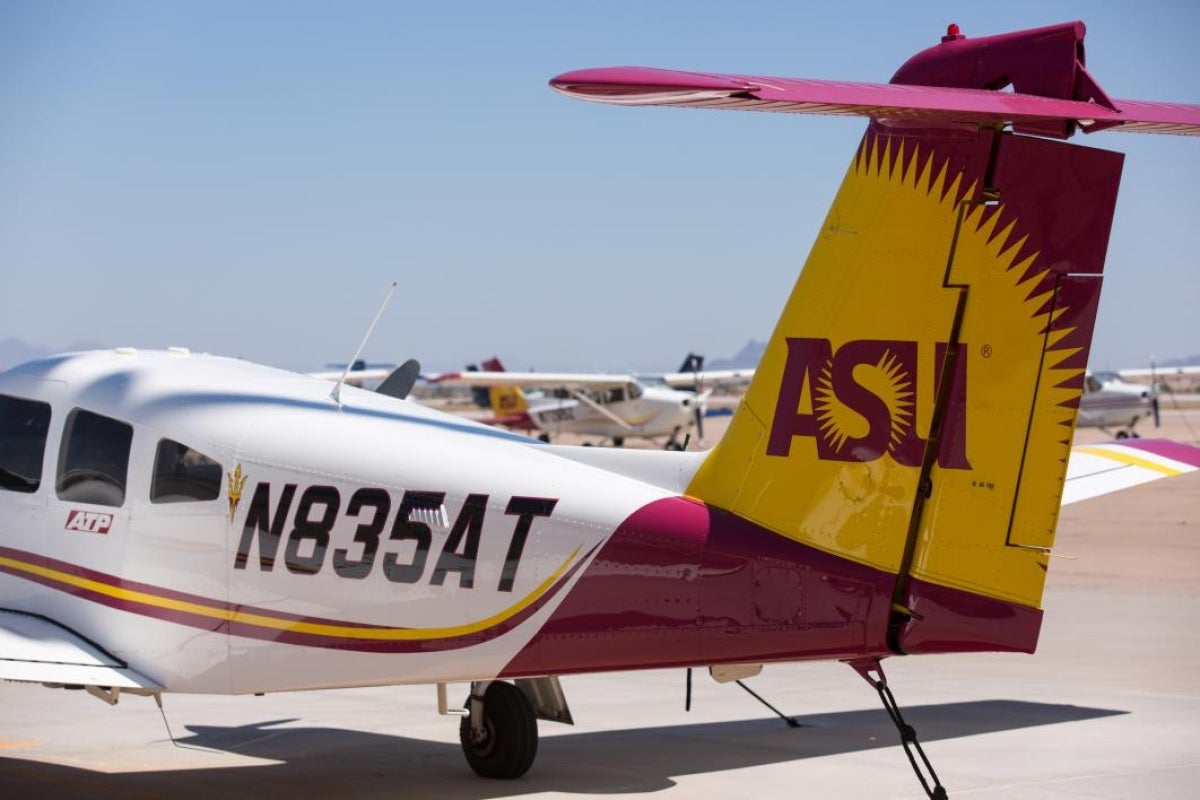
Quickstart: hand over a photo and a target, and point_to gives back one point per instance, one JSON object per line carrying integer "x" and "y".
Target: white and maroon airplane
{"x": 889, "y": 486}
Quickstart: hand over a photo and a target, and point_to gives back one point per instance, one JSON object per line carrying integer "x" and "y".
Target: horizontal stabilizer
{"x": 36, "y": 650}
{"x": 931, "y": 105}
{"x": 1097, "y": 469}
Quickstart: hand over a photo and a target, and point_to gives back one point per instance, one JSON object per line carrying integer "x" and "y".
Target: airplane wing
{"x": 891, "y": 101}
{"x": 1096, "y": 469}
{"x": 711, "y": 377}
{"x": 35, "y": 649}
{"x": 543, "y": 380}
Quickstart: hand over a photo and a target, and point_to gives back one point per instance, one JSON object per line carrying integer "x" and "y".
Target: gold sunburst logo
{"x": 235, "y": 483}
{"x": 888, "y": 380}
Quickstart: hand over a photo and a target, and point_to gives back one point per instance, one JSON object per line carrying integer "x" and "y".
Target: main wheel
{"x": 509, "y": 740}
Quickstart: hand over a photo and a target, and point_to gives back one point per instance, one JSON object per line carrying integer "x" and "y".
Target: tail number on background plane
{"x": 318, "y": 509}
{"x": 862, "y": 402}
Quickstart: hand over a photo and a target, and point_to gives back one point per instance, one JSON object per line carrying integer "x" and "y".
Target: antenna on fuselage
{"x": 336, "y": 394}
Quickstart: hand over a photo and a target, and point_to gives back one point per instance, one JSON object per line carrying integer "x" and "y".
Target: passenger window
{"x": 23, "y": 425}
{"x": 94, "y": 462}
{"x": 183, "y": 475}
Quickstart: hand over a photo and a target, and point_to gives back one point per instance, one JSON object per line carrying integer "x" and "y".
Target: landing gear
{"x": 499, "y": 735}
{"x": 618, "y": 441}
{"x": 545, "y": 437}
{"x": 673, "y": 443}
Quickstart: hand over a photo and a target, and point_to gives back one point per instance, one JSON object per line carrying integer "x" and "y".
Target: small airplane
{"x": 612, "y": 406}
{"x": 889, "y": 485}
{"x": 1111, "y": 403}
{"x": 693, "y": 376}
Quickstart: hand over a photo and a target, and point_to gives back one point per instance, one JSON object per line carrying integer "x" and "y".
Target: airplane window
{"x": 94, "y": 462}
{"x": 183, "y": 475}
{"x": 23, "y": 425}
{"x": 635, "y": 391}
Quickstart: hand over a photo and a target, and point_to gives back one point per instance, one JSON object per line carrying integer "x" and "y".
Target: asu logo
{"x": 863, "y": 401}
{"x": 89, "y": 521}
{"x": 235, "y": 483}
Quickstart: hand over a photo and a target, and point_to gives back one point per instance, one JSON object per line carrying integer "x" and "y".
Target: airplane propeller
{"x": 1154, "y": 392}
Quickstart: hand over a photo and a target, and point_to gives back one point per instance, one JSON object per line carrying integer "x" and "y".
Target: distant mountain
{"x": 748, "y": 357}
{"x": 15, "y": 351}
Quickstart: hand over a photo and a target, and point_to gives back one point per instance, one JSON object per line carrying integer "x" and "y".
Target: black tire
{"x": 618, "y": 441}
{"x": 545, "y": 437}
{"x": 1122, "y": 435}
{"x": 510, "y": 734}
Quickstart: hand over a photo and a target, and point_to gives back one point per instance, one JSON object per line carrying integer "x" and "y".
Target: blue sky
{"x": 247, "y": 178}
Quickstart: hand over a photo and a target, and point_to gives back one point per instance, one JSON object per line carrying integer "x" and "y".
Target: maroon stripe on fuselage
{"x": 681, "y": 583}
{"x": 253, "y": 631}
{"x": 118, "y": 582}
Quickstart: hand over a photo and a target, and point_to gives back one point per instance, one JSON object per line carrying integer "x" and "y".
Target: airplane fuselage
{"x": 656, "y": 412}
{"x": 1113, "y": 403}
{"x": 364, "y": 543}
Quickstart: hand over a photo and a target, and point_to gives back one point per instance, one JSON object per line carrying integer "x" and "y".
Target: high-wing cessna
{"x": 591, "y": 404}
{"x": 888, "y": 486}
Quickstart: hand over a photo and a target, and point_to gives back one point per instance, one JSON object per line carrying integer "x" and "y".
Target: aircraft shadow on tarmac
{"x": 331, "y": 762}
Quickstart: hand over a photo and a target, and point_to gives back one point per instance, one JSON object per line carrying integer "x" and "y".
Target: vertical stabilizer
{"x": 915, "y": 405}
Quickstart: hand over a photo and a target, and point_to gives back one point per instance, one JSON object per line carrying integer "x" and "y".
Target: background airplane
{"x": 612, "y": 406}
{"x": 693, "y": 376}
{"x": 1110, "y": 403}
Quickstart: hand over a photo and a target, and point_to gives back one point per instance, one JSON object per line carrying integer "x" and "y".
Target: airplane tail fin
{"x": 692, "y": 362}
{"x": 507, "y": 400}
{"x": 915, "y": 405}
{"x": 504, "y": 401}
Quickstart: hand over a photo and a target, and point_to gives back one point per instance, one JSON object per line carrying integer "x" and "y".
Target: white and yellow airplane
{"x": 889, "y": 486}
{"x": 610, "y": 406}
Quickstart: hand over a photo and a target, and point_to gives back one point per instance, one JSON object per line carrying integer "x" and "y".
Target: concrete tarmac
{"x": 1108, "y": 708}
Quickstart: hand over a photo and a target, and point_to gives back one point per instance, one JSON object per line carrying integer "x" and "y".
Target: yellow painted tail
{"x": 507, "y": 400}
{"x": 915, "y": 405}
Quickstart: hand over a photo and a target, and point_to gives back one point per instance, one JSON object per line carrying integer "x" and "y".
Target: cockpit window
{"x": 183, "y": 475}
{"x": 94, "y": 463}
{"x": 23, "y": 425}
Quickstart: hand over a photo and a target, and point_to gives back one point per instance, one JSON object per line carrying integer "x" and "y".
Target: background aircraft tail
{"x": 915, "y": 405}
{"x": 506, "y": 402}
